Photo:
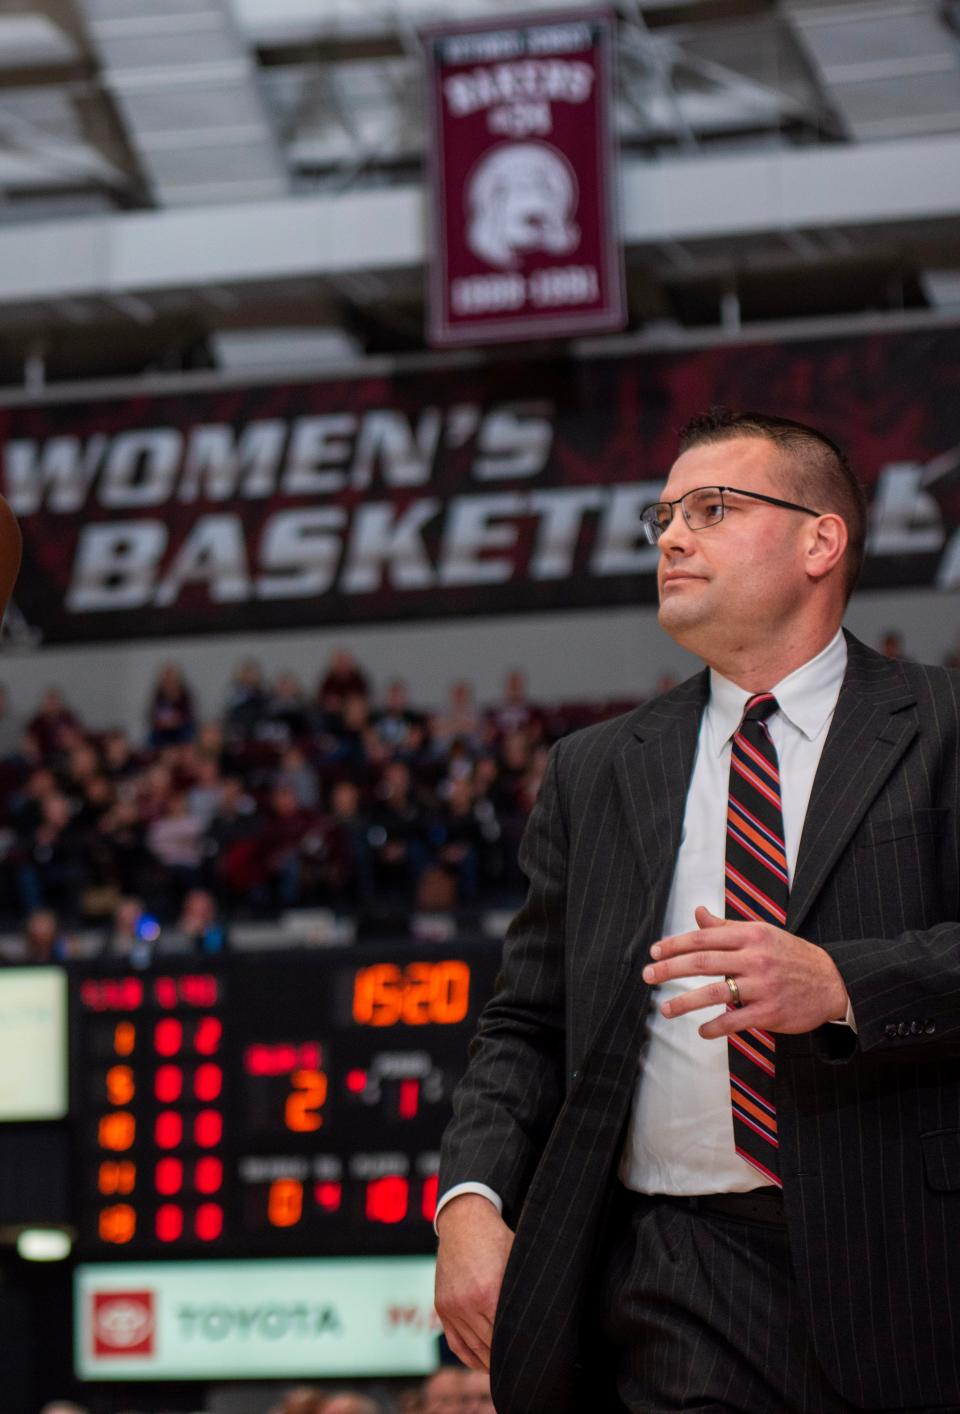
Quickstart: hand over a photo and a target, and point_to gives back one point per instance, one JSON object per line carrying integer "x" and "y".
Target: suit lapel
{"x": 871, "y": 729}
{"x": 653, "y": 772}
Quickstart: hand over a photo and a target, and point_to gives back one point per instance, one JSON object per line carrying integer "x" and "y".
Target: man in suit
{"x": 708, "y": 1144}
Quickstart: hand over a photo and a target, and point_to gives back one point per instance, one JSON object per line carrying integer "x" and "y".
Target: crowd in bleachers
{"x": 331, "y": 797}
{"x": 450, "y": 1390}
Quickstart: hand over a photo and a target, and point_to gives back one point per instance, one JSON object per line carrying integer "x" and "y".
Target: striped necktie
{"x": 756, "y": 887}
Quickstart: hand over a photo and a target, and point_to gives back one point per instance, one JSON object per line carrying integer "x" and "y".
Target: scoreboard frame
{"x": 274, "y": 1105}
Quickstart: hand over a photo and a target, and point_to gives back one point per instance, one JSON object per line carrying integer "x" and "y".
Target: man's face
{"x": 742, "y": 579}
{"x": 443, "y": 1393}
{"x": 476, "y": 1393}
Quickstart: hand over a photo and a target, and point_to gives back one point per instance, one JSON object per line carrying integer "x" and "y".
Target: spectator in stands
{"x": 246, "y": 700}
{"x": 119, "y": 758}
{"x": 351, "y": 869}
{"x": 296, "y": 772}
{"x": 118, "y": 847}
{"x": 52, "y": 867}
{"x": 457, "y": 836}
{"x": 206, "y": 790}
{"x": 26, "y": 810}
{"x": 153, "y": 790}
{"x": 529, "y": 787}
{"x": 61, "y": 1406}
{"x": 348, "y": 732}
{"x": 515, "y": 712}
{"x": 459, "y": 720}
{"x": 54, "y": 726}
{"x": 199, "y": 924}
{"x": 175, "y": 841}
{"x": 476, "y": 1392}
{"x": 133, "y": 934}
{"x": 303, "y": 1400}
{"x": 397, "y": 832}
{"x": 514, "y": 762}
{"x": 285, "y": 717}
{"x": 891, "y": 643}
{"x": 347, "y": 1402}
{"x": 170, "y": 716}
{"x": 394, "y": 718}
{"x": 11, "y": 732}
{"x": 342, "y": 677}
{"x": 443, "y": 1391}
{"x": 44, "y": 938}
{"x": 291, "y": 847}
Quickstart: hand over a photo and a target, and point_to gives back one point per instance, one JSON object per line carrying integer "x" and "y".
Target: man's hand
{"x": 475, "y": 1243}
{"x": 786, "y": 984}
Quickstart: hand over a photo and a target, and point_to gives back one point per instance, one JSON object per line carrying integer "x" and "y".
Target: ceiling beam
{"x": 687, "y": 199}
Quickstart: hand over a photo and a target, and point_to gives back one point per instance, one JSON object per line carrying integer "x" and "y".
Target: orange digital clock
{"x": 420, "y": 994}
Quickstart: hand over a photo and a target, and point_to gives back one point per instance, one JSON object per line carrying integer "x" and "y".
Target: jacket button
{"x": 915, "y": 1028}
{"x": 903, "y": 1029}
{"x": 890, "y": 1030}
{"x": 930, "y": 1027}
{"x": 575, "y": 1074}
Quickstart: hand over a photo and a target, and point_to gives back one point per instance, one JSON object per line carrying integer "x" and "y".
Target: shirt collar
{"x": 806, "y": 697}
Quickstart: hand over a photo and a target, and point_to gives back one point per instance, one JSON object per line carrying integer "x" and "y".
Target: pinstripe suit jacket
{"x": 869, "y": 1123}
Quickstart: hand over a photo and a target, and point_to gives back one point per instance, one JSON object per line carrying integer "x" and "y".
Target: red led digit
{"x": 356, "y": 1081}
{"x": 206, "y": 1041}
{"x": 199, "y": 990}
{"x": 168, "y": 1177}
{"x": 408, "y": 1100}
{"x": 122, "y": 994}
{"x": 208, "y": 1223}
{"x": 428, "y": 1201}
{"x": 167, "y": 1037}
{"x": 168, "y": 1084}
{"x": 165, "y": 992}
{"x": 208, "y": 1082}
{"x": 208, "y": 1175}
{"x": 169, "y": 1225}
{"x": 328, "y": 1196}
{"x": 124, "y": 1038}
{"x": 387, "y": 1199}
{"x": 168, "y": 1130}
{"x": 118, "y": 1223}
{"x": 208, "y": 1128}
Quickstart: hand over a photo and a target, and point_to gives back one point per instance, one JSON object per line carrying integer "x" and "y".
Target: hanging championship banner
{"x": 525, "y": 243}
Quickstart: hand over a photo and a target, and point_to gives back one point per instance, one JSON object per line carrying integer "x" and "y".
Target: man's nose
{"x": 676, "y": 538}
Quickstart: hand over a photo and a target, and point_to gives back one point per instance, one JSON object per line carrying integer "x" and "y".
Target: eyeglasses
{"x": 704, "y": 507}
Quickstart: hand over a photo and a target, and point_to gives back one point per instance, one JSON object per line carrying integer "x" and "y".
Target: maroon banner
{"x": 510, "y": 488}
{"x": 523, "y": 218}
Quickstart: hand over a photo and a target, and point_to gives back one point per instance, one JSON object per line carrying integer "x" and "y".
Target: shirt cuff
{"x": 459, "y": 1188}
{"x": 848, "y": 1020}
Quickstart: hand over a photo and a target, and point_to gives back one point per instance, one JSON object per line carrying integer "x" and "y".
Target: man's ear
{"x": 827, "y": 545}
{"x": 11, "y": 544}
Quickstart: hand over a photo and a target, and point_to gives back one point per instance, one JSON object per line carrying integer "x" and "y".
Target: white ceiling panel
{"x": 30, "y": 40}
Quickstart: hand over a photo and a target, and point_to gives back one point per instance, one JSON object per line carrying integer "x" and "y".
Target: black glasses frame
{"x": 657, "y": 530}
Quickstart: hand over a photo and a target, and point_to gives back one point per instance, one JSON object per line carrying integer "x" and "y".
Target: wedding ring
{"x": 734, "y": 991}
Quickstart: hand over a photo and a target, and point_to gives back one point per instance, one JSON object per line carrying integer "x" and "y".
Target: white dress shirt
{"x": 680, "y": 1136}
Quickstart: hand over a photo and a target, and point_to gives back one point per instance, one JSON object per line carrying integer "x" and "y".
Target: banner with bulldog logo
{"x": 524, "y": 230}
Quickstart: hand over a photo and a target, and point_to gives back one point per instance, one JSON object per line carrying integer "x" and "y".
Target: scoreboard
{"x": 289, "y": 1105}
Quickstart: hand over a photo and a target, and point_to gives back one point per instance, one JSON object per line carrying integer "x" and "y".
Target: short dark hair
{"x": 819, "y": 473}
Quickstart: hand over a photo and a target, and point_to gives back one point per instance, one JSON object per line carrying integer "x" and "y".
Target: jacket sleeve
{"x": 905, "y": 995}
{"x": 506, "y": 1103}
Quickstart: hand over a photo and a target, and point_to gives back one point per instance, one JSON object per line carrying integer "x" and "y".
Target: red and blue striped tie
{"x": 757, "y": 886}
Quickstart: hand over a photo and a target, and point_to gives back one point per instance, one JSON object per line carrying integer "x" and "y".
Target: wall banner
{"x": 512, "y": 487}
{"x": 525, "y": 241}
